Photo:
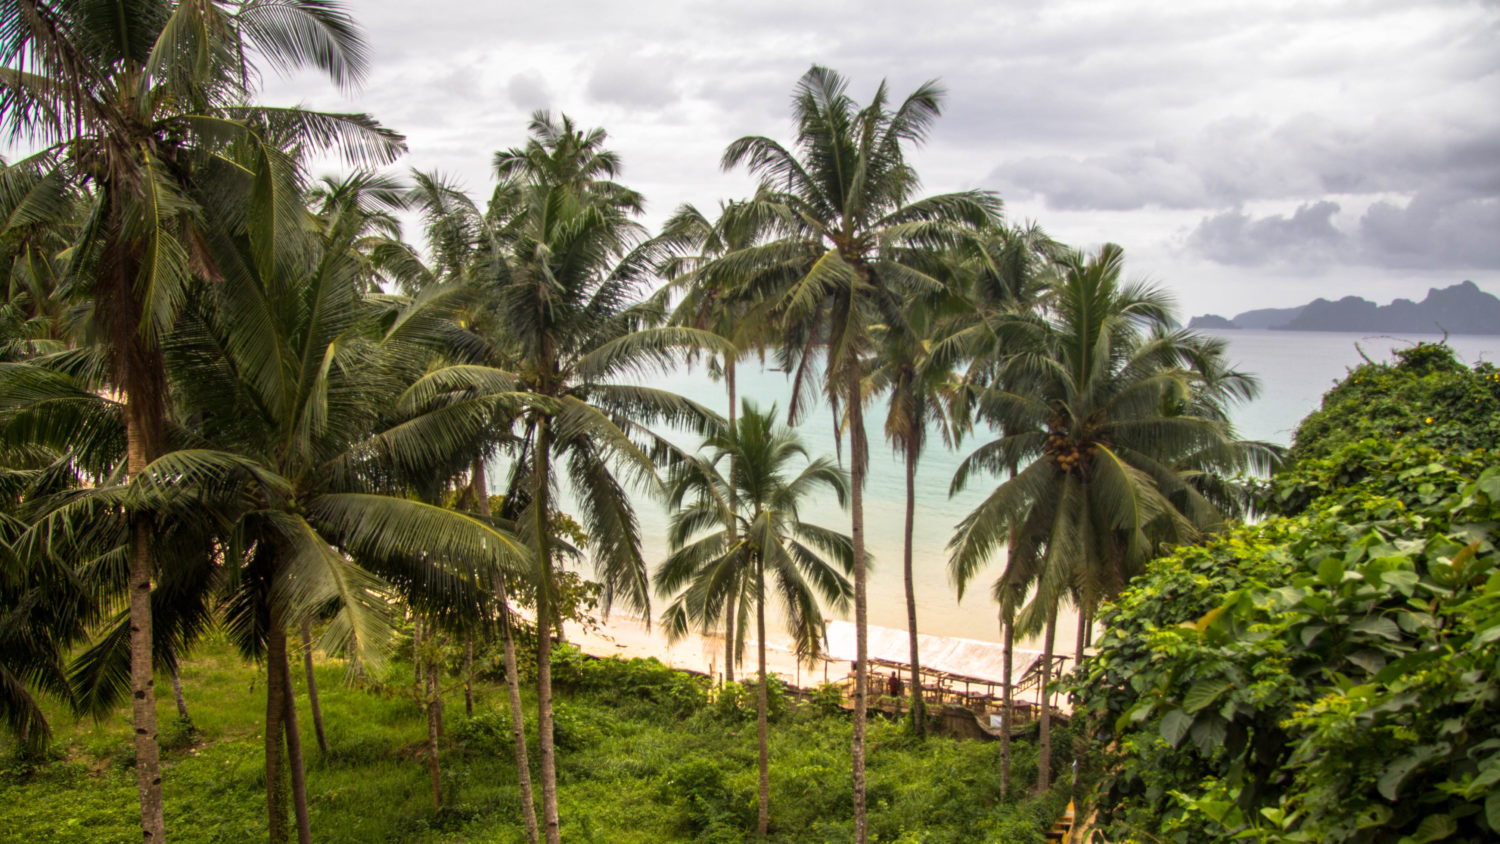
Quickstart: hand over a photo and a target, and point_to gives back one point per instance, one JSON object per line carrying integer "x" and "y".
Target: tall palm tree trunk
{"x": 858, "y": 454}
{"x": 294, "y": 751}
{"x": 179, "y": 698}
{"x": 918, "y": 706}
{"x": 1085, "y": 618}
{"x": 1008, "y": 694}
{"x": 141, "y": 375}
{"x": 518, "y": 724}
{"x": 1044, "y": 728}
{"x": 763, "y": 796}
{"x": 416, "y": 659}
{"x": 730, "y": 607}
{"x": 544, "y": 735}
{"x": 541, "y": 461}
{"x": 469, "y": 675}
{"x": 142, "y": 682}
{"x": 434, "y": 707}
{"x": 276, "y": 691}
{"x": 512, "y": 677}
{"x": 312, "y": 685}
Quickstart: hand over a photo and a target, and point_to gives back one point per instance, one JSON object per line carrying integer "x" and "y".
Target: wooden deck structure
{"x": 887, "y": 691}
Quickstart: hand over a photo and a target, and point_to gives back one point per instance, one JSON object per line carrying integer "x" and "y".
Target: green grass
{"x": 628, "y": 772}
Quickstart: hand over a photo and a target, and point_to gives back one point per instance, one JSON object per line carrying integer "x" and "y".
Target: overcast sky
{"x": 1245, "y": 154}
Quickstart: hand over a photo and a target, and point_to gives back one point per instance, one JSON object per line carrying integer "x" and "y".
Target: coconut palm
{"x": 466, "y": 247}
{"x": 729, "y": 533}
{"x": 317, "y": 416}
{"x": 920, "y": 395}
{"x": 575, "y": 266}
{"x": 44, "y": 610}
{"x": 718, "y": 295}
{"x": 134, "y": 99}
{"x": 1096, "y": 411}
{"x": 1005, "y": 278}
{"x": 851, "y": 235}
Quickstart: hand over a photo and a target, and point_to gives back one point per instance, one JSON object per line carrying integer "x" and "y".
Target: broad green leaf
{"x": 1433, "y": 828}
{"x": 1379, "y": 625}
{"x": 1331, "y": 571}
{"x": 1204, "y": 693}
{"x": 1310, "y": 632}
{"x": 1395, "y": 774}
{"x": 1174, "y": 725}
{"x": 1463, "y": 557}
{"x": 1489, "y": 484}
{"x": 1492, "y": 810}
{"x": 1371, "y": 661}
{"x": 1209, "y": 734}
{"x": 1403, "y": 581}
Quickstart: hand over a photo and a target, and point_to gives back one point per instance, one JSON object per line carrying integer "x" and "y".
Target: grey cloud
{"x": 1435, "y": 229}
{"x": 1307, "y": 237}
{"x": 1239, "y": 160}
{"x": 528, "y": 91}
{"x": 1125, "y": 120}
{"x": 635, "y": 82}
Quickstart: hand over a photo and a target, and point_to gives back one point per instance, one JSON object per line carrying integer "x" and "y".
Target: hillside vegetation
{"x": 1332, "y": 673}
{"x": 649, "y": 758}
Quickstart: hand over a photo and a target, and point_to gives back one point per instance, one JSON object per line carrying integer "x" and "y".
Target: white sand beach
{"x": 630, "y": 637}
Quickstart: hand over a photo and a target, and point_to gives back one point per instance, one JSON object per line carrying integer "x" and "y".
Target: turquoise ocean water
{"x": 1295, "y": 369}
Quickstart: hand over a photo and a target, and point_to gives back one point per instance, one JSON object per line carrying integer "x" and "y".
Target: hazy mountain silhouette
{"x": 1460, "y": 309}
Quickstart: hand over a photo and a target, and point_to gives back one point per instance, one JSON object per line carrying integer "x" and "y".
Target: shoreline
{"x": 630, "y": 637}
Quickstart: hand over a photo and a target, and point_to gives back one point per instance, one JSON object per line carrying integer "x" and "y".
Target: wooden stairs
{"x": 1063, "y": 828}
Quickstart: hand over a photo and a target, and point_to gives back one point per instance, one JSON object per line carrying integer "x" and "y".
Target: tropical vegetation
{"x": 1328, "y": 674}
{"x": 244, "y": 419}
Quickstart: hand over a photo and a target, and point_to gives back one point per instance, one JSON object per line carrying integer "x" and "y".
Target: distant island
{"x": 1460, "y": 309}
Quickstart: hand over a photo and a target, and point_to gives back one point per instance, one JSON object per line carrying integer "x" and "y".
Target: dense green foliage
{"x": 1332, "y": 674}
{"x": 633, "y": 770}
{"x": 233, "y": 401}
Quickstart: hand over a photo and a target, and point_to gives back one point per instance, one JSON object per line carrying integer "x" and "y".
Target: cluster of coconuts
{"x": 1068, "y": 453}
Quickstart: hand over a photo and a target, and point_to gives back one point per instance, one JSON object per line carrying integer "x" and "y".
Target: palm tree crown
{"x": 1097, "y": 411}
{"x": 711, "y": 557}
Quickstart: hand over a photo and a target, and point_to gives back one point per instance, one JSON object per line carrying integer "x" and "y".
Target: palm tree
{"x": 45, "y": 610}
{"x": 133, "y": 98}
{"x": 850, "y": 230}
{"x": 1006, "y": 280}
{"x": 719, "y": 296}
{"x": 1096, "y": 406}
{"x": 734, "y": 530}
{"x": 467, "y": 247}
{"x": 318, "y": 416}
{"x": 575, "y": 265}
{"x": 920, "y": 393}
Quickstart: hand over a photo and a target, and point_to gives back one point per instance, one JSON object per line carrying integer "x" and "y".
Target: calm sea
{"x": 1295, "y": 369}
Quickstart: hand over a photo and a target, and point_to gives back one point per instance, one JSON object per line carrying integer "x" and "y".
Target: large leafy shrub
{"x": 643, "y": 681}
{"x": 1330, "y": 675}
{"x": 1426, "y": 397}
